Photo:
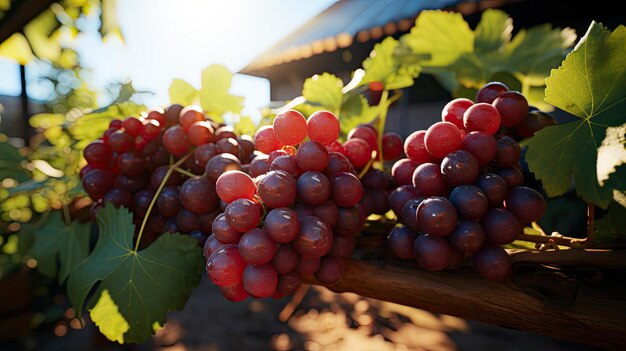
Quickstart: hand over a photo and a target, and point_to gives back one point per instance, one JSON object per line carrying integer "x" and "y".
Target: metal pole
{"x": 23, "y": 132}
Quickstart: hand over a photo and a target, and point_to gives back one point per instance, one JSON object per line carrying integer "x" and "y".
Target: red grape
{"x": 437, "y": 216}
{"x": 312, "y": 156}
{"x": 482, "y": 117}
{"x": 393, "y": 145}
{"x": 290, "y": 127}
{"x": 402, "y": 171}
{"x": 442, "y": 138}
{"x": 323, "y": 127}
{"x": 243, "y": 215}
{"x": 414, "y": 147}
{"x": 277, "y": 189}
{"x": 225, "y": 266}
{"x": 200, "y": 132}
{"x": 346, "y": 189}
{"x": 133, "y": 126}
{"x": 175, "y": 141}
{"x": 432, "y": 253}
{"x": 481, "y": 145}
{"x": 198, "y": 195}
{"x": 256, "y": 247}
{"x": 189, "y": 115}
{"x": 512, "y": 106}
{"x": 525, "y": 203}
{"x": 400, "y": 241}
{"x": 454, "y": 110}
{"x": 490, "y": 92}
{"x": 234, "y": 185}
{"x": 315, "y": 239}
{"x": 429, "y": 181}
{"x": 358, "y": 151}
{"x": 493, "y": 263}
{"x": 313, "y": 188}
{"x": 265, "y": 140}
{"x": 260, "y": 281}
{"x": 282, "y": 224}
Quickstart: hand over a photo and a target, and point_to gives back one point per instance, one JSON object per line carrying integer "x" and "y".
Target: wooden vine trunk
{"x": 581, "y": 304}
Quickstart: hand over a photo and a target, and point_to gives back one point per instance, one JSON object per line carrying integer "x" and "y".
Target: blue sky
{"x": 177, "y": 39}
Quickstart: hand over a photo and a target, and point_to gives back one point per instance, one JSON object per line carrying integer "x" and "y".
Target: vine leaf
{"x": 58, "y": 248}
{"x": 143, "y": 285}
{"x": 382, "y": 66}
{"x": 324, "y": 90}
{"x": 610, "y": 228}
{"x": 493, "y": 30}
{"x": 244, "y": 126}
{"x": 214, "y": 95}
{"x": 11, "y": 163}
{"x": 182, "y": 92}
{"x": 590, "y": 84}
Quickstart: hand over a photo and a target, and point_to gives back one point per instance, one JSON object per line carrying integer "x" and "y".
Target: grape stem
{"x": 170, "y": 170}
{"x": 184, "y": 172}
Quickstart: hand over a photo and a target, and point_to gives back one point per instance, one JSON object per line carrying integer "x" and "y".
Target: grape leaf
{"x": 324, "y": 90}
{"x": 244, "y": 126}
{"x": 612, "y": 152}
{"x": 590, "y": 84}
{"x": 56, "y": 247}
{"x": 493, "y": 30}
{"x": 612, "y": 227}
{"x": 214, "y": 95}
{"x": 11, "y": 163}
{"x": 144, "y": 285}
{"x": 382, "y": 66}
{"x": 92, "y": 125}
{"x": 182, "y": 92}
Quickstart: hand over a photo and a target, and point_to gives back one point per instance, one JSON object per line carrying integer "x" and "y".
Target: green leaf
{"x": 58, "y": 248}
{"x": 39, "y": 33}
{"x": 611, "y": 153}
{"x": 182, "y": 92}
{"x": 493, "y": 30}
{"x": 214, "y": 95}
{"x": 382, "y": 66}
{"x": 445, "y": 36}
{"x": 144, "y": 285}
{"x": 92, "y": 125}
{"x": 11, "y": 163}
{"x": 612, "y": 227}
{"x": 324, "y": 90}
{"x": 354, "y": 111}
{"x": 244, "y": 126}
{"x": 590, "y": 84}
{"x": 106, "y": 315}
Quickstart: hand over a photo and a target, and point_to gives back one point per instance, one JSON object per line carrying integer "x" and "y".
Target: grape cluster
{"x": 135, "y": 160}
{"x": 294, "y": 213}
{"x": 460, "y": 189}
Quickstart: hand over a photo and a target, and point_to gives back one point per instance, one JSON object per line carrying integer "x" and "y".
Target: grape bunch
{"x": 460, "y": 189}
{"x": 292, "y": 213}
{"x": 175, "y": 155}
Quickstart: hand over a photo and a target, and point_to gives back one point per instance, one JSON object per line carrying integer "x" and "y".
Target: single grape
{"x": 346, "y": 189}
{"x": 97, "y": 182}
{"x": 256, "y": 247}
{"x": 274, "y": 154}
{"x": 323, "y": 127}
{"x": 115, "y": 124}
{"x": 187, "y": 221}
{"x": 459, "y": 168}
{"x": 282, "y": 224}
{"x": 337, "y": 163}
{"x": 203, "y": 153}
{"x": 211, "y": 245}
{"x": 277, "y": 189}
{"x": 409, "y": 213}
{"x": 228, "y": 146}
{"x": 168, "y": 201}
{"x": 288, "y": 283}
{"x": 512, "y": 106}
{"x": 437, "y": 216}
{"x": 454, "y": 110}
{"x": 508, "y": 152}
{"x": 223, "y": 231}
{"x": 98, "y": 154}
{"x": 393, "y": 146}
{"x": 259, "y": 166}
{"x": 442, "y": 138}
{"x": 120, "y": 141}
{"x": 260, "y": 281}
{"x": 175, "y": 140}
{"x": 358, "y": 151}
{"x": 224, "y": 132}
{"x": 234, "y": 293}
{"x": 141, "y": 202}
{"x": 172, "y": 114}
{"x": 470, "y": 201}
{"x": 493, "y": 263}
{"x": 429, "y": 181}
{"x": 312, "y": 156}
{"x": 400, "y": 241}
{"x": 328, "y": 211}
{"x": 265, "y": 140}
{"x": 243, "y": 215}
{"x": 501, "y": 226}
{"x": 189, "y": 115}
{"x": 308, "y": 265}
{"x": 330, "y": 270}
{"x": 151, "y": 129}
{"x": 468, "y": 236}
{"x": 246, "y": 145}
{"x": 414, "y": 147}
{"x": 481, "y": 145}
{"x": 402, "y": 171}
{"x": 494, "y": 188}
{"x": 288, "y": 164}
{"x": 220, "y": 164}
{"x": 313, "y": 188}
{"x": 290, "y": 127}
{"x": 512, "y": 176}
{"x": 400, "y": 196}
{"x": 490, "y": 92}
{"x": 200, "y": 133}
{"x": 285, "y": 259}
{"x": 234, "y": 185}
{"x": 140, "y": 143}
{"x": 119, "y": 197}
{"x": 482, "y": 117}
{"x": 432, "y": 253}
{"x": 198, "y": 195}
{"x": 131, "y": 163}
{"x": 525, "y": 203}
{"x": 351, "y": 220}
{"x": 315, "y": 238}
{"x": 225, "y": 267}
{"x": 132, "y": 126}
{"x": 534, "y": 122}
{"x": 367, "y": 133}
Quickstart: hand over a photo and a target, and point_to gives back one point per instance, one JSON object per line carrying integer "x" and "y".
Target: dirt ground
{"x": 323, "y": 320}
